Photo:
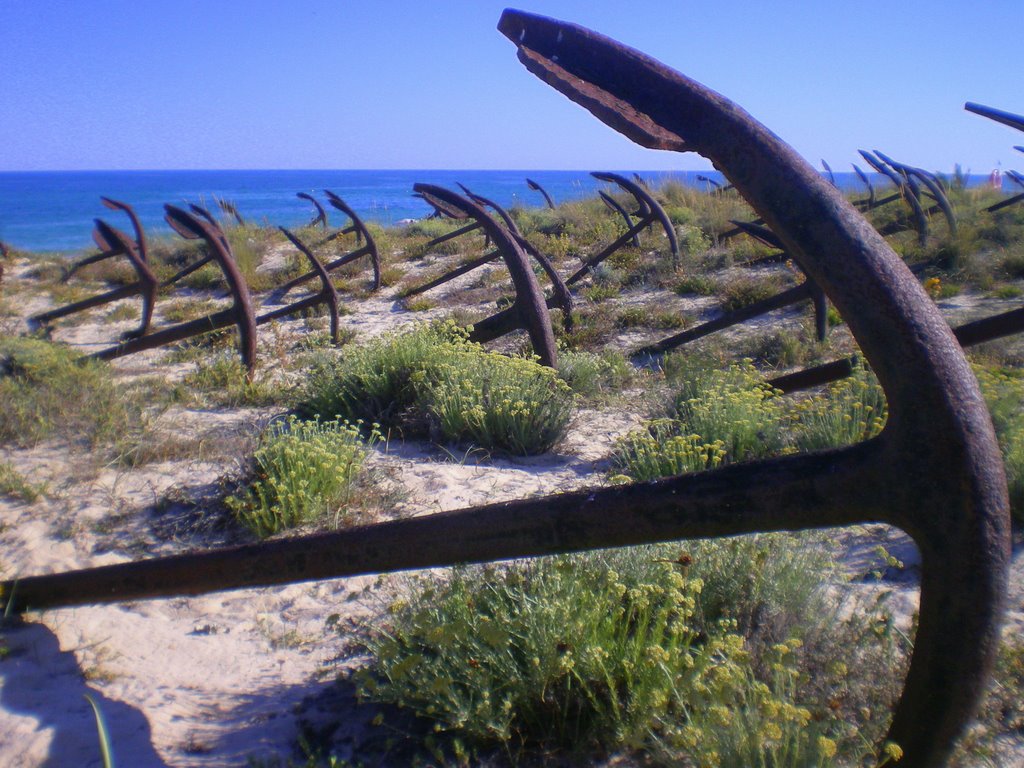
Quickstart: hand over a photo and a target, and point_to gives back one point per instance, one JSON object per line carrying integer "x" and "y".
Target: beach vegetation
{"x": 433, "y": 381}
{"x": 303, "y": 473}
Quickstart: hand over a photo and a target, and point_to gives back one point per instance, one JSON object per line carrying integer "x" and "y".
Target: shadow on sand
{"x": 40, "y": 681}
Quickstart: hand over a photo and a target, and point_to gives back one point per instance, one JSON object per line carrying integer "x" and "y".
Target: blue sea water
{"x": 54, "y": 210}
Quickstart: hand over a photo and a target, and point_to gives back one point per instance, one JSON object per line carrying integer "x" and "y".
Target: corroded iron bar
{"x": 321, "y": 213}
{"x": 538, "y": 188}
{"x": 370, "y": 248}
{"x": 999, "y": 115}
{"x": 867, "y": 183}
{"x": 614, "y": 204}
{"x": 468, "y": 266}
{"x": 969, "y": 334}
{"x": 164, "y": 336}
{"x": 647, "y": 203}
{"x": 790, "y": 296}
{"x": 899, "y": 181}
{"x": 188, "y": 270}
{"x": 453, "y": 234}
{"x": 240, "y": 313}
{"x": 1005, "y": 203}
{"x": 592, "y": 262}
{"x": 784, "y": 494}
{"x": 559, "y": 290}
{"x": 530, "y": 305}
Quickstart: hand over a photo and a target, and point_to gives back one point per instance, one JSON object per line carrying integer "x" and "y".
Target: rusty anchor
{"x": 241, "y": 312}
{"x": 113, "y": 242}
{"x": 369, "y": 249}
{"x": 530, "y": 310}
{"x": 828, "y": 171}
{"x": 906, "y": 191}
{"x": 649, "y": 212}
{"x": 538, "y": 188}
{"x": 935, "y": 470}
{"x": 560, "y": 295}
{"x": 321, "y": 214}
{"x": 141, "y": 247}
{"x": 930, "y": 181}
{"x": 193, "y": 226}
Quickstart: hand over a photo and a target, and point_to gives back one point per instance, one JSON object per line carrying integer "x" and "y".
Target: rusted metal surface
{"x": 530, "y": 308}
{"x": 107, "y": 250}
{"x": 240, "y": 313}
{"x": 969, "y": 334}
{"x": 870, "y": 202}
{"x": 905, "y": 192}
{"x": 999, "y": 115}
{"x": 1005, "y": 203}
{"x": 559, "y": 290}
{"x": 369, "y": 249}
{"x": 648, "y": 205}
{"x": 935, "y": 471}
{"x": 614, "y": 205}
{"x": 538, "y": 188}
{"x": 321, "y": 214}
{"x": 114, "y": 242}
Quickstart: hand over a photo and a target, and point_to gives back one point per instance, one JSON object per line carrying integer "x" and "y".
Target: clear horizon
{"x": 113, "y": 85}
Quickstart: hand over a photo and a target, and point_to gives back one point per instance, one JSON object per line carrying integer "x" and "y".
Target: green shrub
{"x": 702, "y": 285}
{"x": 15, "y": 485}
{"x": 607, "y": 652}
{"x": 660, "y": 451}
{"x": 48, "y": 390}
{"x": 591, "y": 374}
{"x": 374, "y": 382}
{"x": 224, "y": 381}
{"x": 744, "y": 291}
{"x": 303, "y": 472}
{"x": 575, "y": 653}
{"x": 733, "y": 406}
{"x": 853, "y": 410}
{"x": 506, "y": 403}
{"x": 434, "y": 380}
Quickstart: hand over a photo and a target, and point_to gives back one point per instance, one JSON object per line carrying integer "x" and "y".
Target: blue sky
{"x": 124, "y": 84}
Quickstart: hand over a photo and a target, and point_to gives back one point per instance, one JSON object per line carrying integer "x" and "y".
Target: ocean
{"x": 54, "y": 210}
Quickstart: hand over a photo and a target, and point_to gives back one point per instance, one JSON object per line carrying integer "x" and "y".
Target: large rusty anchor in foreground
{"x": 935, "y": 471}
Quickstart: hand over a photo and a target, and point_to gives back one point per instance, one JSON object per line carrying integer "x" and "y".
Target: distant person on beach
{"x": 995, "y": 179}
